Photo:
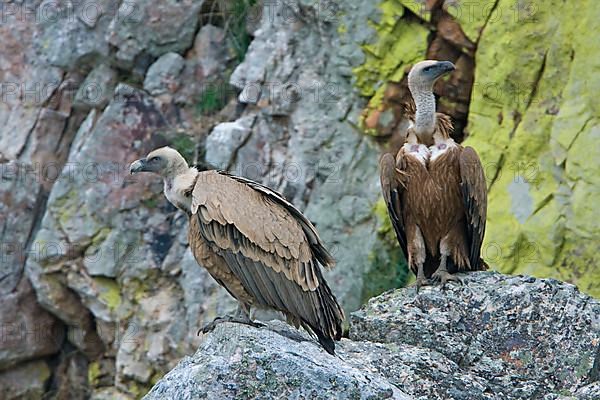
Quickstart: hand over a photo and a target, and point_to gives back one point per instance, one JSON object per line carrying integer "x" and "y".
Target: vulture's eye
{"x": 155, "y": 159}
{"x": 427, "y": 69}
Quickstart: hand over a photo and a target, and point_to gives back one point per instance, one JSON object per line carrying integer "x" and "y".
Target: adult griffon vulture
{"x": 435, "y": 189}
{"x": 254, "y": 243}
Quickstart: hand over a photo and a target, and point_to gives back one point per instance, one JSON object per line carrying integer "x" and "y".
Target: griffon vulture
{"x": 254, "y": 243}
{"x": 435, "y": 189}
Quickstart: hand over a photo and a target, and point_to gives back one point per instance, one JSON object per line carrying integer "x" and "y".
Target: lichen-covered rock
{"x": 236, "y": 361}
{"x": 529, "y": 111}
{"x": 37, "y": 124}
{"x": 520, "y": 337}
{"x": 534, "y": 121}
{"x": 115, "y": 247}
{"x": 495, "y": 337}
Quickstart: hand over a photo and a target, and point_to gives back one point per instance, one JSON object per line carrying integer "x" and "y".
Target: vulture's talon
{"x": 237, "y": 320}
{"x": 421, "y": 282}
{"x": 255, "y": 324}
{"x": 443, "y": 277}
{"x": 211, "y": 326}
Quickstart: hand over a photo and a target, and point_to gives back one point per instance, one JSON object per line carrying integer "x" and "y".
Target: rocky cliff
{"x": 100, "y": 296}
{"x": 495, "y": 337}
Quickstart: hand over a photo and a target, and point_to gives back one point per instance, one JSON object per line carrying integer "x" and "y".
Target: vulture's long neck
{"x": 178, "y": 188}
{"x": 425, "y": 114}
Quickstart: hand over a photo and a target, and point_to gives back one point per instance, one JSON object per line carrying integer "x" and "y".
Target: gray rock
{"x": 97, "y": 88}
{"x": 27, "y": 381}
{"x": 210, "y": 50}
{"x": 238, "y": 361}
{"x": 153, "y": 28}
{"x": 73, "y": 34}
{"x": 162, "y": 76}
{"x": 495, "y": 337}
{"x": 225, "y": 139}
{"x": 30, "y": 147}
{"x": 28, "y": 331}
{"x": 520, "y": 337}
{"x": 207, "y": 67}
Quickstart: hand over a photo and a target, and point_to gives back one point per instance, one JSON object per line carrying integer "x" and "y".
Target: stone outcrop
{"x": 494, "y": 337}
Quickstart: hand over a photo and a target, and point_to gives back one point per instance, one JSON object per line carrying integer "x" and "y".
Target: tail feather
{"x": 326, "y": 342}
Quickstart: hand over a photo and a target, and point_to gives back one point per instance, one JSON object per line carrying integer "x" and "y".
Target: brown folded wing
{"x": 270, "y": 247}
{"x": 474, "y": 192}
{"x": 392, "y": 189}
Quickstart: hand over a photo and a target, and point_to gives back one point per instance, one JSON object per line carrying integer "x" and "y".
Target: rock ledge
{"x": 497, "y": 336}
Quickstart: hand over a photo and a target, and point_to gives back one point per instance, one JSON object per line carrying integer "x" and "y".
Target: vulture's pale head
{"x": 164, "y": 161}
{"x": 423, "y": 74}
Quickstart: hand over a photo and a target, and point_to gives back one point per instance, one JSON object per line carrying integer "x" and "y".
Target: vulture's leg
{"x": 416, "y": 257}
{"x": 421, "y": 280}
{"x": 241, "y": 316}
{"x": 441, "y": 274}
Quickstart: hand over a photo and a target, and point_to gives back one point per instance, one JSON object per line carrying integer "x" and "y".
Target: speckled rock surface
{"x": 495, "y": 337}
{"x": 237, "y": 361}
{"x": 520, "y": 337}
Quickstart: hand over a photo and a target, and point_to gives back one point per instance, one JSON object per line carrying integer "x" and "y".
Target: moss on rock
{"x": 400, "y": 42}
{"x": 109, "y": 292}
{"x": 534, "y": 121}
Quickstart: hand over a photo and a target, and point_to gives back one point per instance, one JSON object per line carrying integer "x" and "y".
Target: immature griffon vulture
{"x": 254, "y": 243}
{"x": 435, "y": 189}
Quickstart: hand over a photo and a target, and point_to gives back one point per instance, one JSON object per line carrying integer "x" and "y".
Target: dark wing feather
{"x": 392, "y": 189}
{"x": 474, "y": 192}
{"x": 267, "y": 248}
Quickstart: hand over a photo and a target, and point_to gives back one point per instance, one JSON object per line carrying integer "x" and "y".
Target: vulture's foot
{"x": 420, "y": 282}
{"x": 229, "y": 318}
{"x": 442, "y": 276}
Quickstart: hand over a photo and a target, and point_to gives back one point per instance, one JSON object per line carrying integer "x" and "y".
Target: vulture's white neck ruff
{"x": 178, "y": 189}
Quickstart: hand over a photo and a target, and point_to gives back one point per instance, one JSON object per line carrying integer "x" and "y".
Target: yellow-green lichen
{"x": 535, "y": 121}
{"x": 109, "y": 292}
{"x": 472, "y": 16}
{"x": 94, "y": 373}
{"x": 42, "y": 371}
{"x": 400, "y": 42}
{"x": 419, "y": 8}
{"x": 67, "y": 206}
{"x": 137, "y": 389}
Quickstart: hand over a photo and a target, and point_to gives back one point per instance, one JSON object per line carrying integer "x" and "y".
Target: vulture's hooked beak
{"x": 137, "y": 166}
{"x": 447, "y": 66}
